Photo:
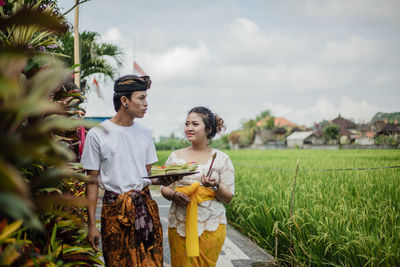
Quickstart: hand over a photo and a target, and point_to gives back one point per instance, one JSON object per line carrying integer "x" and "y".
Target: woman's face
{"x": 195, "y": 129}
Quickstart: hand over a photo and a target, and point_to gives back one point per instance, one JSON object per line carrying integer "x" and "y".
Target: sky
{"x": 304, "y": 60}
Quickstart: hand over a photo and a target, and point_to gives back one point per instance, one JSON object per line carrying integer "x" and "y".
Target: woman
{"x": 197, "y": 221}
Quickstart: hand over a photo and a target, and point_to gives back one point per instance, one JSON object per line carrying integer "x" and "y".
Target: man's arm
{"x": 148, "y": 168}
{"x": 92, "y": 191}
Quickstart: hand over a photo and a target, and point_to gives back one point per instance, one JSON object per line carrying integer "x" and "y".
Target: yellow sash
{"x": 197, "y": 194}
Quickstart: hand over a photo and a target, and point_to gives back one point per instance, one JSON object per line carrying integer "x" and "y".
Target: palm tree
{"x": 93, "y": 55}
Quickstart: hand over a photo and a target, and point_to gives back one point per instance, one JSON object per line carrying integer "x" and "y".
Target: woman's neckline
{"x": 212, "y": 152}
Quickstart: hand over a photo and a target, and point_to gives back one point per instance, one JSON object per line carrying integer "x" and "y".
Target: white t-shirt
{"x": 121, "y": 153}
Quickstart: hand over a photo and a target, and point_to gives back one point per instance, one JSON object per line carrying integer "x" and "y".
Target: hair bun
{"x": 220, "y": 123}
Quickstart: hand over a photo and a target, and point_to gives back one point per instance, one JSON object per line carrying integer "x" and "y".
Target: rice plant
{"x": 340, "y": 218}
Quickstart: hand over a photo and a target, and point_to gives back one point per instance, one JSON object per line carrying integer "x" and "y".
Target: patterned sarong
{"x": 131, "y": 230}
{"x": 210, "y": 245}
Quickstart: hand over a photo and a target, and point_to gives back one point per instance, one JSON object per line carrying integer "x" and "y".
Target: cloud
{"x": 306, "y": 60}
{"x": 243, "y": 42}
{"x": 178, "y": 62}
{"x": 354, "y": 9}
{"x": 112, "y": 35}
{"x": 354, "y": 50}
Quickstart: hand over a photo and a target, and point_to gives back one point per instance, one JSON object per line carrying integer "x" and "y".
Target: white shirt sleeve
{"x": 227, "y": 175}
{"x": 91, "y": 152}
{"x": 151, "y": 155}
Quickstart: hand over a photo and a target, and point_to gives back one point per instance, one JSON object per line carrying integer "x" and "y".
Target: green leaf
{"x": 63, "y": 123}
{"x": 9, "y": 230}
{"x": 18, "y": 209}
{"x": 10, "y": 254}
{"x": 37, "y": 18}
{"x": 53, "y": 238}
{"x": 11, "y": 180}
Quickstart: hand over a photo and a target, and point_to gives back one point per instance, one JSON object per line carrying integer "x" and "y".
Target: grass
{"x": 340, "y": 218}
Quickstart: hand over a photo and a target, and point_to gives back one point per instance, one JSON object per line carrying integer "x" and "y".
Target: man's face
{"x": 137, "y": 105}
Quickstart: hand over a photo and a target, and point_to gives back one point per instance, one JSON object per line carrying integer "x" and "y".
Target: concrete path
{"x": 237, "y": 251}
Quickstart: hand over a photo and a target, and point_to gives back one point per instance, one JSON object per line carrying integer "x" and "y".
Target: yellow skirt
{"x": 210, "y": 244}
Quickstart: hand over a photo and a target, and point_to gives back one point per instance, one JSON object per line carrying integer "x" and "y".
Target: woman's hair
{"x": 213, "y": 123}
{"x": 117, "y": 99}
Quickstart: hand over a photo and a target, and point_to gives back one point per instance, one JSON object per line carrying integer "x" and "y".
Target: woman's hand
{"x": 180, "y": 198}
{"x": 208, "y": 181}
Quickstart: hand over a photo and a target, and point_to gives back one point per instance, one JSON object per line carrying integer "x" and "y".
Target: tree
{"x": 331, "y": 132}
{"x": 93, "y": 55}
{"x": 264, "y": 114}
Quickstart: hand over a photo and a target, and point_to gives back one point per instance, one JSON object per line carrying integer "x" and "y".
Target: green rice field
{"x": 338, "y": 218}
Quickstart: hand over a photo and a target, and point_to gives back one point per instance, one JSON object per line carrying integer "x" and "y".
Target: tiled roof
{"x": 343, "y": 123}
{"x": 283, "y": 122}
{"x": 278, "y": 121}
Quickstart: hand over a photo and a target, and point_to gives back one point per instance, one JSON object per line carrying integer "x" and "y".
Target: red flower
{"x": 2, "y": 3}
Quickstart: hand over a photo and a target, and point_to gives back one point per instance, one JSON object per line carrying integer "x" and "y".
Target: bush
{"x": 331, "y": 132}
{"x": 386, "y": 140}
{"x": 171, "y": 143}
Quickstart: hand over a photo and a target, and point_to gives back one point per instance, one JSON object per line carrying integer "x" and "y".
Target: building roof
{"x": 283, "y": 122}
{"x": 390, "y": 129}
{"x": 278, "y": 122}
{"x": 318, "y": 133}
{"x": 299, "y": 135}
{"x": 370, "y": 134}
{"x": 343, "y": 123}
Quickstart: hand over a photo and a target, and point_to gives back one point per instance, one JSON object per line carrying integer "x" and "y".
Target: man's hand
{"x": 94, "y": 238}
{"x": 165, "y": 181}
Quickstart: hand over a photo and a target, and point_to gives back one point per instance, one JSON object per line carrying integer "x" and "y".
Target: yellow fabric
{"x": 210, "y": 247}
{"x": 197, "y": 194}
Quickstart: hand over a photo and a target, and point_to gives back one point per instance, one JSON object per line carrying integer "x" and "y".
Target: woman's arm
{"x": 178, "y": 197}
{"x": 221, "y": 193}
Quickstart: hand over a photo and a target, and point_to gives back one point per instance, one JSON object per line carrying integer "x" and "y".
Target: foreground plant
{"x": 39, "y": 115}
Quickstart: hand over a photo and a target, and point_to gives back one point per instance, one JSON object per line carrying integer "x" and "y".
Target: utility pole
{"x": 77, "y": 69}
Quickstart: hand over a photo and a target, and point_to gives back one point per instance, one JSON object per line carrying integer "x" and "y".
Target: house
{"x": 392, "y": 130}
{"x": 316, "y": 138}
{"x": 278, "y": 122}
{"x": 378, "y": 125}
{"x": 347, "y": 129}
{"x": 280, "y": 133}
{"x": 262, "y": 136}
{"x": 281, "y": 122}
{"x": 365, "y": 135}
{"x": 297, "y": 139}
{"x": 365, "y": 138}
{"x": 276, "y": 135}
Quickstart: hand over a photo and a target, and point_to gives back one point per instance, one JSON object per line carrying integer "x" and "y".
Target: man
{"x": 117, "y": 156}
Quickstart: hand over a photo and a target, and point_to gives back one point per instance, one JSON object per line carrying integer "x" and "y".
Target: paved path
{"x": 237, "y": 251}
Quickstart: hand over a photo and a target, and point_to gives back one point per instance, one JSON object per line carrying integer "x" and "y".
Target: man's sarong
{"x": 131, "y": 230}
{"x": 210, "y": 245}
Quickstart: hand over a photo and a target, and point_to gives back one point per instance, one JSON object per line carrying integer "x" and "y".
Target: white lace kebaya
{"x": 211, "y": 213}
